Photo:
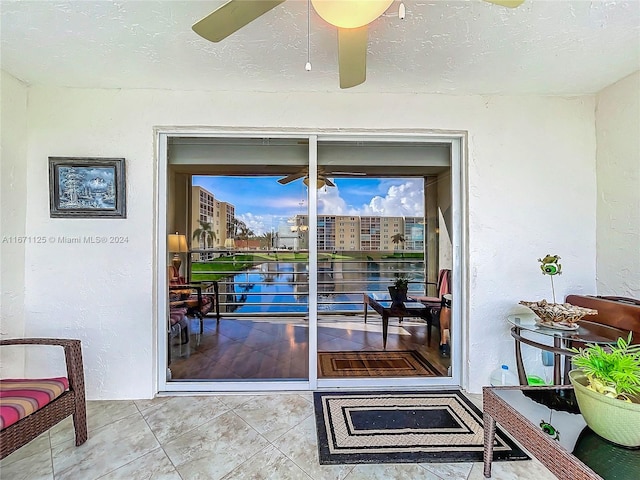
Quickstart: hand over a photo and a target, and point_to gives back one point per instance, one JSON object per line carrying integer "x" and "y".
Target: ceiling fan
{"x": 351, "y": 17}
{"x": 322, "y": 177}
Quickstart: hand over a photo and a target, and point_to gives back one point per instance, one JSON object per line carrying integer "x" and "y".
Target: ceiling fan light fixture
{"x": 507, "y": 3}
{"x": 320, "y": 183}
{"x": 350, "y": 13}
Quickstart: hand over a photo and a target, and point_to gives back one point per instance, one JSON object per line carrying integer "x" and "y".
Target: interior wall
{"x": 445, "y": 221}
{"x": 618, "y": 173}
{"x": 13, "y": 214}
{"x": 531, "y": 171}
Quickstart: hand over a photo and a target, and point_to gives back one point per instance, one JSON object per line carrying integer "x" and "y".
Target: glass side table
{"x": 524, "y": 329}
{"x": 546, "y": 421}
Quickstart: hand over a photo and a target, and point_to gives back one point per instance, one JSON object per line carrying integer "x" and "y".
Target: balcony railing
{"x": 276, "y": 282}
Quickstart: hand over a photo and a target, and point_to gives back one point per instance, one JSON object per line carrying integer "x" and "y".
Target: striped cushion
{"x": 22, "y": 397}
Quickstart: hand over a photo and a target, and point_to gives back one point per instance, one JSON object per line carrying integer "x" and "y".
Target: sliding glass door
{"x": 291, "y": 243}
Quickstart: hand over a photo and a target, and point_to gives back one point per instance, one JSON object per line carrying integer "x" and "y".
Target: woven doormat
{"x": 402, "y": 363}
{"x": 403, "y": 427}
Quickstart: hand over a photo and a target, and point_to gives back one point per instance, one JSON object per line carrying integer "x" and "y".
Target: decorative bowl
{"x": 558, "y": 313}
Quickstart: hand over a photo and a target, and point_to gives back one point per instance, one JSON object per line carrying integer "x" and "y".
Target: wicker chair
{"x": 198, "y": 297}
{"x": 435, "y": 305}
{"x": 71, "y": 402}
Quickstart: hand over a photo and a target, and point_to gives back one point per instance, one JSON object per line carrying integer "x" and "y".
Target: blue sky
{"x": 262, "y": 203}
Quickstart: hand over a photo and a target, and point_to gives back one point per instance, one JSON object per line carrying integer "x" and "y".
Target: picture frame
{"x": 85, "y": 187}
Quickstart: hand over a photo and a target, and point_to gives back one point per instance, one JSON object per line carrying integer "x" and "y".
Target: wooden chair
{"x": 69, "y": 402}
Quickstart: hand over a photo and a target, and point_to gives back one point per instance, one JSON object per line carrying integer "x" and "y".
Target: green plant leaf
{"x": 614, "y": 371}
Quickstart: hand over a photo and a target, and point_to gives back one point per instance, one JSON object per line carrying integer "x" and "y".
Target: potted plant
{"x": 606, "y": 381}
{"x": 398, "y": 290}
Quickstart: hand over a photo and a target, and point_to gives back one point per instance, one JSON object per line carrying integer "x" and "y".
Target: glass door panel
{"x": 241, "y": 204}
{"x": 378, "y": 223}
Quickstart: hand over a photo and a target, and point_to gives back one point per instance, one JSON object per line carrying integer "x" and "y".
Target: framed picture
{"x": 87, "y": 187}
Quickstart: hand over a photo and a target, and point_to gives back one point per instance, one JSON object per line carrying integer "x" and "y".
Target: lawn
{"x": 223, "y": 266}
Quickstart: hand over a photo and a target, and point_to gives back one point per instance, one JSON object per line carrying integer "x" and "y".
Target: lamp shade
{"x": 350, "y": 13}
{"x": 177, "y": 243}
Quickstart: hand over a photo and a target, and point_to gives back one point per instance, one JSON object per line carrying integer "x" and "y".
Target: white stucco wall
{"x": 531, "y": 168}
{"x": 13, "y": 194}
{"x": 618, "y": 173}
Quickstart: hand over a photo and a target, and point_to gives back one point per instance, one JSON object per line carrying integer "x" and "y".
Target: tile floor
{"x": 239, "y": 436}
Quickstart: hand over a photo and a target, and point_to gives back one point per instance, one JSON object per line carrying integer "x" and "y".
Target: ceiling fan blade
{"x": 352, "y": 55}
{"x": 291, "y": 178}
{"x": 231, "y": 17}
{"x": 328, "y": 182}
{"x": 507, "y": 3}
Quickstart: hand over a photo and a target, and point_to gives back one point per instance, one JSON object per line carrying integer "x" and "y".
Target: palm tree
{"x": 267, "y": 240}
{"x": 244, "y": 232}
{"x": 205, "y": 234}
{"x": 234, "y": 227}
{"x": 397, "y": 238}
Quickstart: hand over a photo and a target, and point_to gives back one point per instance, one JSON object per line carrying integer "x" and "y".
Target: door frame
{"x": 456, "y": 140}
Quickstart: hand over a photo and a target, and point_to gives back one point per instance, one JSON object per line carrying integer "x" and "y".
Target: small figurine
{"x": 549, "y": 430}
{"x": 550, "y": 265}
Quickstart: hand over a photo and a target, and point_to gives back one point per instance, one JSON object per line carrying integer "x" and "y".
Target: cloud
{"x": 261, "y": 224}
{"x": 331, "y": 203}
{"x": 398, "y": 198}
{"x": 401, "y": 200}
{"x": 258, "y": 223}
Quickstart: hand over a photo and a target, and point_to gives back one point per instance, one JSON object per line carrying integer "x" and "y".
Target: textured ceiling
{"x": 557, "y": 47}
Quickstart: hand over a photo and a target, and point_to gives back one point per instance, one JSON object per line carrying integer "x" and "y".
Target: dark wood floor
{"x": 264, "y": 348}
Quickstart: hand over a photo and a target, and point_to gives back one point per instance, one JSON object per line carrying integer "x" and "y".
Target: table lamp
{"x": 177, "y": 244}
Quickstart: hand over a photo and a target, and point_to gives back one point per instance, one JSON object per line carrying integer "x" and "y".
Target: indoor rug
{"x": 404, "y": 427}
{"x": 402, "y": 363}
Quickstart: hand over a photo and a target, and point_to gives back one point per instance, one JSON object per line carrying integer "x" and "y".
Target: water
{"x": 283, "y": 287}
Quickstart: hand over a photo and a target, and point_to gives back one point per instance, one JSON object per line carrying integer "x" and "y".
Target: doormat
{"x": 404, "y": 427}
{"x": 402, "y": 363}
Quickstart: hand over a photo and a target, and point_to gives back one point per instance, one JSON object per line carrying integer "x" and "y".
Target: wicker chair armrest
{"x": 203, "y": 286}
{"x": 72, "y": 355}
{"x": 61, "y": 342}
{"x": 186, "y": 286}
{"x": 70, "y": 403}
{"x": 216, "y": 288}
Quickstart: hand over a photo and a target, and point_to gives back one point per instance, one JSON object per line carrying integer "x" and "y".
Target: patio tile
{"x": 269, "y": 463}
{"x": 154, "y": 465}
{"x": 99, "y": 414}
{"x": 226, "y": 438}
{"x": 107, "y": 449}
{"x": 397, "y": 471}
{"x": 37, "y": 445}
{"x": 274, "y": 415}
{"x": 178, "y": 415}
{"x": 449, "y": 471}
{"x": 300, "y": 445}
{"x": 522, "y": 470}
{"x": 32, "y": 467}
